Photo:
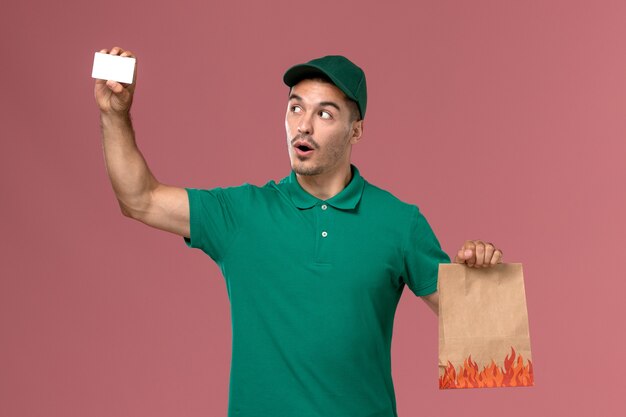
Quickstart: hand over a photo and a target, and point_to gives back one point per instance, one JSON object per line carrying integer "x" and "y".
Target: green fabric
{"x": 312, "y": 316}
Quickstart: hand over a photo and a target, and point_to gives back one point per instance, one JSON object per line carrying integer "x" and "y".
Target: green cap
{"x": 343, "y": 73}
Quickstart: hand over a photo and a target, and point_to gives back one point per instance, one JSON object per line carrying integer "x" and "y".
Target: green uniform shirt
{"x": 313, "y": 288}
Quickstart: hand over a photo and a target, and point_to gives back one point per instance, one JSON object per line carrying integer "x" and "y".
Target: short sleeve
{"x": 422, "y": 256}
{"x": 215, "y": 218}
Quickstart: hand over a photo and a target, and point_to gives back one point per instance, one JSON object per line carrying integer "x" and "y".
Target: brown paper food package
{"x": 484, "y": 339}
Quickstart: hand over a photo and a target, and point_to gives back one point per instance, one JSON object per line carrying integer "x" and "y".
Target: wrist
{"x": 112, "y": 118}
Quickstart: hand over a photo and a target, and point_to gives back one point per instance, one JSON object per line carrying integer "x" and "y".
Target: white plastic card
{"x": 113, "y": 67}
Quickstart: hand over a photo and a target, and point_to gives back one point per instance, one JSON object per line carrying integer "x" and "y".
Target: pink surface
{"x": 502, "y": 120}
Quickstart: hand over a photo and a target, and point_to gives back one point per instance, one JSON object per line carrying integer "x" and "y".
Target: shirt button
{"x": 324, "y": 233}
{"x": 324, "y": 206}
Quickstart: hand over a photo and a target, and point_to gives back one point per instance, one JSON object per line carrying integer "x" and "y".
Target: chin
{"x": 302, "y": 168}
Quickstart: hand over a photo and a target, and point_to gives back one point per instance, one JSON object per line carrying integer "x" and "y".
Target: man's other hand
{"x": 478, "y": 254}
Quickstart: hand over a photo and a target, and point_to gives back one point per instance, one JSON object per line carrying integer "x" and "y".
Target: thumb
{"x": 116, "y": 87}
{"x": 463, "y": 255}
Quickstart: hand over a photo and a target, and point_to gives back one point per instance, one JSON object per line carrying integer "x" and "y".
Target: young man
{"x": 315, "y": 264}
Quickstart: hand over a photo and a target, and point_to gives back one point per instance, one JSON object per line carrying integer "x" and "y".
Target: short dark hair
{"x": 353, "y": 107}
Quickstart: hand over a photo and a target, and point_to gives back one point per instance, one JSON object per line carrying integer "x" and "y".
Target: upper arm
{"x": 167, "y": 208}
{"x": 216, "y": 216}
{"x": 422, "y": 255}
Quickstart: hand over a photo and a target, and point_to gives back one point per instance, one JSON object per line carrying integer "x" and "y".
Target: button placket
{"x": 324, "y": 232}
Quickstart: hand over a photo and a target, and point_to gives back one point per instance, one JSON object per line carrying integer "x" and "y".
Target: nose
{"x": 304, "y": 125}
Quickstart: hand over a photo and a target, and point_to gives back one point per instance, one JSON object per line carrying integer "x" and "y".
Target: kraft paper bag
{"x": 484, "y": 339}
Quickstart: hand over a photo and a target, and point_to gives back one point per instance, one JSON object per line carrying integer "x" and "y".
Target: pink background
{"x": 502, "y": 120}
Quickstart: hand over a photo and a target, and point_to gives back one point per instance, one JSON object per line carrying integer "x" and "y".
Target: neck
{"x": 326, "y": 185}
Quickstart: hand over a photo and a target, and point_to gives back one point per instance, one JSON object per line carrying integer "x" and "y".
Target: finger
{"x": 489, "y": 250}
{"x": 480, "y": 253}
{"x": 127, "y": 53}
{"x": 497, "y": 257}
{"x": 104, "y": 51}
{"x": 116, "y": 50}
{"x": 470, "y": 258}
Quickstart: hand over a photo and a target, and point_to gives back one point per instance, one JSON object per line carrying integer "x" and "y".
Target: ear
{"x": 357, "y": 131}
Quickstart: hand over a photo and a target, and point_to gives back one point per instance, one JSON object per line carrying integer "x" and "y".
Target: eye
{"x": 296, "y": 109}
{"x": 325, "y": 115}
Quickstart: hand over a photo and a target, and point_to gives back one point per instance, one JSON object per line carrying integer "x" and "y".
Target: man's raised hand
{"x": 112, "y": 97}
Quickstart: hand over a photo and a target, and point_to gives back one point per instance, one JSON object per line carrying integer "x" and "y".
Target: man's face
{"x": 319, "y": 130}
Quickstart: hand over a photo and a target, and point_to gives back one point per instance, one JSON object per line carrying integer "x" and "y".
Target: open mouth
{"x": 302, "y": 148}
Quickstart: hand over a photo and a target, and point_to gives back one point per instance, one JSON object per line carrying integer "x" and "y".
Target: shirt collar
{"x": 347, "y": 198}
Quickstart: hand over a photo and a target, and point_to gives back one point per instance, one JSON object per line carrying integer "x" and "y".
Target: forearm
{"x": 128, "y": 171}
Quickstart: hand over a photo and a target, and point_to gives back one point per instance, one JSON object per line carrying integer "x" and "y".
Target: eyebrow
{"x": 322, "y": 103}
